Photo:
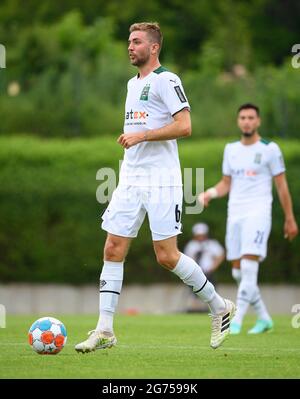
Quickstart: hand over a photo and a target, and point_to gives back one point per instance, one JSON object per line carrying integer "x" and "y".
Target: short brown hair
{"x": 152, "y": 28}
{"x": 249, "y": 106}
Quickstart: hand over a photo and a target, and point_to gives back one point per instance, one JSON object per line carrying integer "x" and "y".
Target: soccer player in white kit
{"x": 249, "y": 167}
{"x": 156, "y": 114}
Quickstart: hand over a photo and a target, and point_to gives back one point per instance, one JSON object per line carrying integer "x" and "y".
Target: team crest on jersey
{"x": 145, "y": 93}
{"x": 257, "y": 158}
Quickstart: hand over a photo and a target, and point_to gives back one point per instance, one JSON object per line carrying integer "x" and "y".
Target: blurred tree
{"x": 258, "y": 31}
{"x": 275, "y": 28}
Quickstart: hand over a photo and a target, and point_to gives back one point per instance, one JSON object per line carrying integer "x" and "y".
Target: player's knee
{"x": 114, "y": 251}
{"x": 236, "y": 264}
{"x": 166, "y": 260}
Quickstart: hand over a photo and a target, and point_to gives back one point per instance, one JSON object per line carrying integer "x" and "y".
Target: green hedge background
{"x": 50, "y": 218}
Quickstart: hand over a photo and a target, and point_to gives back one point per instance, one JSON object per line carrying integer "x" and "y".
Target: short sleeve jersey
{"x": 151, "y": 103}
{"x": 204, "y": 252}
{"x": 251, "y": 168}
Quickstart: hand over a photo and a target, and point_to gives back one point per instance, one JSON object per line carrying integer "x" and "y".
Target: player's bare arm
{"x": 290, "y": 224}
{"x": 179, "y": 128}
{"x": 221, "y": 189}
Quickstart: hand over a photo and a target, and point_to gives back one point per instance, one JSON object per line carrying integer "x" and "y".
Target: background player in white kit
{"x": 249, "y": 165}
{"x": 206, "y": 251}
{"x": 156, "y": 114}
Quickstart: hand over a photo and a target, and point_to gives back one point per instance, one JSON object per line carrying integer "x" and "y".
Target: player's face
{"x": 200, "y": 237}
{"x": 248, "y": 121}
{"x": 139, "y": 48}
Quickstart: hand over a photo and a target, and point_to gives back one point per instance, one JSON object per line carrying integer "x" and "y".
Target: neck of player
{"x": 248, "y": 140}
{"x": 149, "y": 67}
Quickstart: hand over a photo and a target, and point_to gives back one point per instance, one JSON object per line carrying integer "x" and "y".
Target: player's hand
{"x": 130, "y": 139}
{"x": 290, "y": 229}
{"x": 204, "y": 198}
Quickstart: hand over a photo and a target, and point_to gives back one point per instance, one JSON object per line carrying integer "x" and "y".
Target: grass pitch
{"x": 154, "y": 346}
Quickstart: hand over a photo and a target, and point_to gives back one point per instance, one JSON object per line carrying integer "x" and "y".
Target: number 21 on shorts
{"x": 259, "y": 237}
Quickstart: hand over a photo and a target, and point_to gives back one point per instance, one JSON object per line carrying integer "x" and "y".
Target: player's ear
{"x": 155, "y": 48}
{"x": 258, "y": 121}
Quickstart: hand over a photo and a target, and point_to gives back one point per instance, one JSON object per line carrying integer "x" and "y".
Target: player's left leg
{"x": 222, "y": 310}
{"x": 164, "y": 212}
{"x": 264, "y": 321}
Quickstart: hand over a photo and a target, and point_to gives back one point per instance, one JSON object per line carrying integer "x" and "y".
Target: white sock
{"x": 111, "y": 279}
{"x": 236, "y": 274}
{"x": 192, "y": 275}
{"x": 247, "y": 288}
{"x": 259, "y": 306}
{"x": 257, "y": 302}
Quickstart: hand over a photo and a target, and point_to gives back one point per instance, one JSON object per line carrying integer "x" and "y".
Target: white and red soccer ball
{"x": 47, "y": 336}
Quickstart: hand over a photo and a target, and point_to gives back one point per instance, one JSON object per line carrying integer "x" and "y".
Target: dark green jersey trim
{"x": 160, "y": 70}
{"x": 264, "y": 141}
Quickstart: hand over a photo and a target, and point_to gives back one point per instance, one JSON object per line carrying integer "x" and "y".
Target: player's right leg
{"x": 122, "y": 220}
{"x": 235, "y": 328}
{"x": 233, "y": 248}
{"x": 111, "y": 279}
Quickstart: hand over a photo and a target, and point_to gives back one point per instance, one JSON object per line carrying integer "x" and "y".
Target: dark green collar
{"x": 265, "y": 141}
{"x": 160, "y": 70}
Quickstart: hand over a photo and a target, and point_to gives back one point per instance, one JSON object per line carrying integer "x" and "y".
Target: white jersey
{"x": 151, "y": 103}
{"x": 204, "y": 252}
{"x": 251, "y": 168}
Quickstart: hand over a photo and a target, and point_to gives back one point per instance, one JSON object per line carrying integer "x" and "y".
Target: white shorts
{"x": 248, "y": 235}
{"x": 129, "y": 205}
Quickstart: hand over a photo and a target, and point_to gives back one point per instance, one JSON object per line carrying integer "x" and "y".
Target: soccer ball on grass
{"x": 47, "y": 336}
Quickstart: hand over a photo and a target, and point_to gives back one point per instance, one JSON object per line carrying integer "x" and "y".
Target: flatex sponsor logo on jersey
{"x": 136, "y": 117}
{"x": 244, "y": 172}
